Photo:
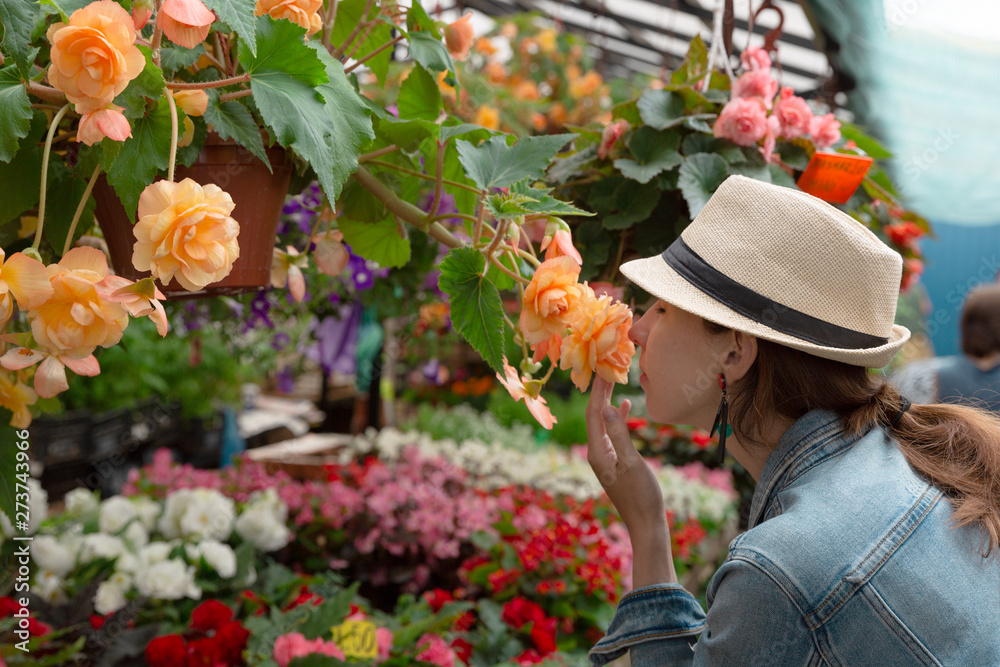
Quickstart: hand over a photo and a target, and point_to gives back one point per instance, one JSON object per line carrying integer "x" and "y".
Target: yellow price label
{"x": 356, "y": 639}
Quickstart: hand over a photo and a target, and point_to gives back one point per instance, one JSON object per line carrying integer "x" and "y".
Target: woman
{"x": 874, "y": 525}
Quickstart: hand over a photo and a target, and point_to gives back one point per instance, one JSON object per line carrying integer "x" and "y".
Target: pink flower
{"x": 743, "y": 121}
{"x": 771, "y": 139}
{"x": 141, "y": 11}
{"x": 755, "y": 58}
{"x": 528, "y": 390}
{"x": 295, "y": 645}
{"x": 794, "y": 115}
{"x": 50, "y": 378}
{"x": 138, "y": 298}
{"x": 185, "y": 22}
{"x": 383, "y": 639}
{"x": 757, "y": 83}
{"x": 435, "y": 651}
{"x": 825, "y": 130}
{"x": 108, "y": 122}
{"x": 561, "y": 244}
{"x": 611, "y": 135}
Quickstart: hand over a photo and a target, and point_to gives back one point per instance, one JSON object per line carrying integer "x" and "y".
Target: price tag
{"x": 834, "y": 177}
{"x": 356, "y": 639}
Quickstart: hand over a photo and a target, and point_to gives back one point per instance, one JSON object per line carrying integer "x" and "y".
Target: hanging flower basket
{"x": 258, "y": 194}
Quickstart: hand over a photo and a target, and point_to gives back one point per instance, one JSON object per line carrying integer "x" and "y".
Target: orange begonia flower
{"x": 526, "y": 91}
{"x": 24, "y": 278}
{"x": 488, "y": 117}
{"x": 586, "y": 85}
{"x": 16, "y": 397}
{"x": 286, "y": 269}
{"x": 94, "y": 56}
{"x": 303, "y": 12}
{"x": 191, "y": 102}
{"x": 50, "y": 378}
{"x": 185, "y": 232}
{"x": 108, "y": 122}
{"x": 458, "y": 36}
{"x": 76, "y": 320}
{"x": 598, "y": 342}
{"x": 558, "y": 242}
{"x": 185, "y": 22}
{"x": 524, "y": 388}
{"x": 141, "y": 11}
{"x": 330, "y": 254}
{"x": 484, "y": 46}
{"x": 138, "y": 298}
{"x": 549, "y": 299}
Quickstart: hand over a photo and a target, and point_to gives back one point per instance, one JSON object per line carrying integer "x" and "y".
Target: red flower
{"x": 166, "y": 651}
{"x": 305, "y": 596}
{"x": 543, "y": 633}
{"x": 530, "y": 657}
{"x": 204, "y": 652}
{"x": 634, "y": 423}
{"x": 903, "y": 234}
{"x": 463, "y": 649}
{"x": 521, "y": 611}
{"x": 96, "y": 621}
{"x": 232, "y": 639}
{"x": 437, "y": 598}
{"x": 9, "y": 607}
{"x": 464, "y": 622}
{"x": 700, "y": 438}
{"x": 210, "y": 615}
{"x": 253, "y": 600}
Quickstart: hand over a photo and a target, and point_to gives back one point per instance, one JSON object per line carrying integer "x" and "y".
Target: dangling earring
{"x": 722, "y": 420}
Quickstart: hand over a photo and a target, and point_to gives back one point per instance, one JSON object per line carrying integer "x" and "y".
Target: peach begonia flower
{"x": 330, "y": 253}
{"x": 16, "y": 397}
{"x": 75, "y": 320}
{"x": 743, "y": 121}
{"x": 755, "y": 58}
{"x": 185, "y": 232}
{"x": 25, "y": 279}
{"x": 794, "y": 115}
{"x": 139, "y": 298}
{"x": 141, "y": 11}
{"x": 527, "y": 389}
{"x": 825, "y": 130}
{"x": 191, "y": 102}
{"x": 549, "y": 299}
{"x": 94, "y": 56}
{"x": 757, "y": 83}
{"x": 303, "y": 12}
{"x": 185, "y": 22}
{"x": 586, "y": 85}
{"x": 611, "y": 135}
{"x": 547, "y": 40}
{"x": 488, "y": 117}
{"x": 598, "y": 342}
{"x": 286, "y": 269}
{"x": 458, "y": 36}
{"x": 485, "y": 46}
{"x": 108, "y": 122}
{"x": 50, "y": 378}
{"x": 559, "y": 243}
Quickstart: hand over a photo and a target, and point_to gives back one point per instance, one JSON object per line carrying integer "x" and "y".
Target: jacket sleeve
{"x": 750, "y": 621}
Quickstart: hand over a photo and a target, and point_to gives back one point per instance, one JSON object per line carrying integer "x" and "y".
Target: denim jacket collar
{"x": 814, "y": 435}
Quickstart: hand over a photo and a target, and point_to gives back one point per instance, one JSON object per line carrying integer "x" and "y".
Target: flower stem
{"x": 225, "y": 97}
{"x": 365, "y": 157}
{"x": 157, "y": 34}
{"x": 46, "y": 93}
{"x": 339, "y": 51}
{"x": 516, "y": 276}
{"x": 328, "y": 22}
{"x": 479, "y": 221}
{"x": 404, "y": 209}
{"x": 45, "y": 174}
{"x": 80, "y": 207}
{"x": 439, "y": 183}
{"x": 202, "y": 85}
{"x": 373, "y": 54}
{"x": 449, "y": 216}
{"x": 426, "y": 177}
{"x": 524, "y": 343}
{"x": 173, "y": 135}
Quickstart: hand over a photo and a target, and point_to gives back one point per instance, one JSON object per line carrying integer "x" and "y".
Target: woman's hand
{"x": 631, "y": 485}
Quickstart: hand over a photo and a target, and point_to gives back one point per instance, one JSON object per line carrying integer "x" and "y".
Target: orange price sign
{"x": 834, "y": 177}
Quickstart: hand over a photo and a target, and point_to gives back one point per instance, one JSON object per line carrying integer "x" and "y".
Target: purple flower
{"x": 337, "y": 337}
{"x": 280, "y": 340}
{"x": 393, "y": 109}
{"x": 286, "y": 380}
{"x": 431, "y": 370}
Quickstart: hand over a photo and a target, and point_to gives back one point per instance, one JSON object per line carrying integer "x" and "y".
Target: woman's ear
{"x": 739, "y": 356}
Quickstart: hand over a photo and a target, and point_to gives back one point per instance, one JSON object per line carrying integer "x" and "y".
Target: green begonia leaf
{"x": 149, "y": 84}
{"x": 19, "y": 178}
{"x": 871, "y": 147}
{"x": 173, "y": 58}
{"x": 142, "y": 156}
{"x": 544, "y": 203}
{"x": 661, "y": 109}
{"x": 653, "y": 151}
{"x": 348, "y": 17}
{"x": 417, "y": 19}
{"x": 494, "y": 164}
{"x": 238, "y": 15}
{"x": 700, "y": 176}
{"x": 15, "y": 110}
{"x": 9, "y": 479}
{"x": 476, "y": 308}
{"x": 419, "y": 96}
{"x": 65, "y": 7}
{"x": 379, "y": 241}
{"x": 232, "y": 120}
{"x": 17, "y": 19}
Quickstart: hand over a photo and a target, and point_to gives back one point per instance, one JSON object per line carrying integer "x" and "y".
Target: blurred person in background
{"x": 973, "y": 377}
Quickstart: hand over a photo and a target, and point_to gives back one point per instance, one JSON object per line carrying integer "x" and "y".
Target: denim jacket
{"x": 851, "y": 559}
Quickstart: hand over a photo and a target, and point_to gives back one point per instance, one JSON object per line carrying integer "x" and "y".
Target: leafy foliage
{"x": 476, "y": 310}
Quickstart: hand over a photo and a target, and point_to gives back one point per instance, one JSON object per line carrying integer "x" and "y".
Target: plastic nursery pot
{"x": 258, "y": 194}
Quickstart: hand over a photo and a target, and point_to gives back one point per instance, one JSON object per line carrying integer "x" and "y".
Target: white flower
{"x": 168, "y": 580}
{"x": 80, "y": 501}
{"x": 38, "y": 505}
{"x": 116, "y": 513}
{"x": 136, "y": 536}
{"x": 148, "y": 511}
{"x": 220, "y": 557}
{"x": 99, "y": 545}
{"x": 200, "y": 513}
{"x": 127, "y": 563}
{"x": 260, "y": 525}
{"x": 154, "y": 553}
{"x": 49, "y": 587}
{"x": 109, "y": 598}
{"x": 49, "y": 554}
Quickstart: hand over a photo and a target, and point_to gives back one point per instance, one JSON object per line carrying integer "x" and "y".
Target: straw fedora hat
{"x": 784, "y": 266}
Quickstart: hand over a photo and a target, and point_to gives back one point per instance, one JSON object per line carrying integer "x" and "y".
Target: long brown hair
{"x": 955, "y": 447}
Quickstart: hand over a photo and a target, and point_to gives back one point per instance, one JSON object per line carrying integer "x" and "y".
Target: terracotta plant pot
{"x": 258, "y": 194}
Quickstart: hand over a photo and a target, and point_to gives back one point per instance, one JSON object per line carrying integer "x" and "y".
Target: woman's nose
{"x": 637, "y": 332}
